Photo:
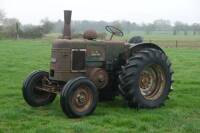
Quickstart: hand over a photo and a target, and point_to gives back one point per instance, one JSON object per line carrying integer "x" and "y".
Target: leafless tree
{"x": 2, "y": 15}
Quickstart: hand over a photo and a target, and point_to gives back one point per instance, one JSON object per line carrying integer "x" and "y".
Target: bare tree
{"x": 117, "y": 24}
{"x": 126, "y": 25}
{"x": 9, "y": 27}
{"x": 178, "y": 26}
{"x": 10, "y": 21}
{"x": 186, "y": 28}
{"x": 195, "y": 28}
{"x": 47, "y": 25}
{"x": 162, "y": 25}
{"x": 2, "y": 16}
{"x": 149, "y": 28}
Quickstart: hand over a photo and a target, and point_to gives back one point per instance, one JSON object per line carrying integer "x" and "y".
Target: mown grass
{"x": 20, "y": 57}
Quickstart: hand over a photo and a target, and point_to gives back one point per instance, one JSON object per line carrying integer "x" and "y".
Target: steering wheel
{"x": 114, "y": 31}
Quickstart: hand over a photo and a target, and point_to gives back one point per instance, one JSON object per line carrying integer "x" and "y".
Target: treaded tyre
{"x": 33, "y": 96}
{"x": 146, "y": 79}
{"x": 79, "y": 97}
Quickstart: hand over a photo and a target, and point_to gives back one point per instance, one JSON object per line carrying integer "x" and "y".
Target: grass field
{"x": 18, "y": 58}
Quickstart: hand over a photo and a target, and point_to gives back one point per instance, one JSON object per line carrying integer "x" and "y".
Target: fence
{"x": 176, "y": 43}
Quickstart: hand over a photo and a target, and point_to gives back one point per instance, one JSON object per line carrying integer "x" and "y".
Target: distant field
{"x": 165, "y": 36}
{"x": 167, "y": 39}
{"x": 20, "y": 57}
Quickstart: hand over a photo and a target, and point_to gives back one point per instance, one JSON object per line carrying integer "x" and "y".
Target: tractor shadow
{"x": 103, "y": 109}
{"x": 118, "y": 102}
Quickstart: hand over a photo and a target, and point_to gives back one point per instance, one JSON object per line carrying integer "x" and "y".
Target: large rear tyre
{"x": 32, "y": 95}
{"x": 146, "y": 79}
{"x": 79, "y": 97}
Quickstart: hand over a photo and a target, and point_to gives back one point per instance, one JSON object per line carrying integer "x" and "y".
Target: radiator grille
{"x": 78, "y": 59}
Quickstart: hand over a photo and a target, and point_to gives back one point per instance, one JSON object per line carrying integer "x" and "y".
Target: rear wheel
{"x": 32, "y": 94}
{"x": 79, "y": 97}
{"x": 146, "y": 79}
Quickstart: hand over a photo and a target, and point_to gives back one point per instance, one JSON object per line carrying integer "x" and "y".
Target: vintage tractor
{"x": 87, "y": 70}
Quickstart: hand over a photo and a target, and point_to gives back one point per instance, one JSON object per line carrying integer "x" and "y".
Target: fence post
{"x": 17, "y": 30}
{"x": 176, "y": 44}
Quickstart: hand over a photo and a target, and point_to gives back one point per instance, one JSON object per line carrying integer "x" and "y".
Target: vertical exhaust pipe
{"x": 67, "y": 24}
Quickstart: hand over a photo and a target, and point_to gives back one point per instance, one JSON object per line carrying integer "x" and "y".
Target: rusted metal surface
{"x": 152, "y": 82}
{"x": 90, "y": 34}
{"x": 61, "y": 58}
{"x": 99, "y": 77}
{"x": 41, "y": 94}
{"x": 98, "y": 54}
{"x": 81, "y": 99}
{"x": 47, "y": 86}
{"x": 67, "y": 24}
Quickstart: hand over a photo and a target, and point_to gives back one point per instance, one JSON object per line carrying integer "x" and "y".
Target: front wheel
{"x": 146, "y": 79}
{"x": 79, "y": 97}
{"x": 32, "y": 94}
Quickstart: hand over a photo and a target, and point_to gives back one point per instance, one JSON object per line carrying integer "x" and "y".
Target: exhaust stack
{"x": 67, "y": 24}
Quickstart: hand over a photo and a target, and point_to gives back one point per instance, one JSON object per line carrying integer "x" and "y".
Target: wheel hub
{"x": 152, "y": 82}
{"x": 82, "y": 98}
{"x": 146, "y": 80}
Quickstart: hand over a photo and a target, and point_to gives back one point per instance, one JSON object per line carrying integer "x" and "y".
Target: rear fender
{"x": 136, "y": 47}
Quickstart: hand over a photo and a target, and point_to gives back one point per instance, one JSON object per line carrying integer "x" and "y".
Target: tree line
{"x": 11, "y": 27}
{"x": 148, "y": 28}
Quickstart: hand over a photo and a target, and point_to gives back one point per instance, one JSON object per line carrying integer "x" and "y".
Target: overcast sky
{"x": 32, "y": 11}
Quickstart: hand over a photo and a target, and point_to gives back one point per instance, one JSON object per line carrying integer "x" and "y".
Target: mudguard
{"x": 136, "y": 47}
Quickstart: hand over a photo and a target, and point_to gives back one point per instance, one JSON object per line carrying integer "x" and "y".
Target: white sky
{"x": 32, "y": 11}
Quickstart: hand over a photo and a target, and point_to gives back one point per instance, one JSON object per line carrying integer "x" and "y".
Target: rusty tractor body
{"x": 87, "y": 70}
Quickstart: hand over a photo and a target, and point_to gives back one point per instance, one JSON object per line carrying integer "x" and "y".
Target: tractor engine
{"x": 91, "y": 58}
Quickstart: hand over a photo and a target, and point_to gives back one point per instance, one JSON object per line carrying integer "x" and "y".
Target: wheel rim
{"x": 152, "y": 82}
{"x": 82, "y": 98}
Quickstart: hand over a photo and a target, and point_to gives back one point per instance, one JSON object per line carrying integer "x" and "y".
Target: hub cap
{"x": 152, "y": 82}
{"x": 82, "y": 98}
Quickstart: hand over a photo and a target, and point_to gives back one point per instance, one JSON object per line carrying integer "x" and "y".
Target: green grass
{"x": 18, "y": 58}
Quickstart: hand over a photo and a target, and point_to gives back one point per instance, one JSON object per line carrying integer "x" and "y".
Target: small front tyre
{"x": 32, "y": 95}
{"x": 79, "y": 97}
